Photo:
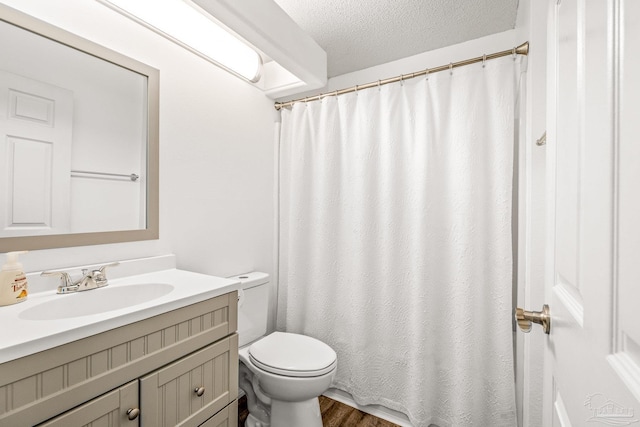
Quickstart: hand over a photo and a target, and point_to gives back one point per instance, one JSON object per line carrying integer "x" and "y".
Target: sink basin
{"x": 95, "y": 301}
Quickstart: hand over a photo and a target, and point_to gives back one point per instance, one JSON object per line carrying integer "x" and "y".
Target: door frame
{"x": 532, "y": 194}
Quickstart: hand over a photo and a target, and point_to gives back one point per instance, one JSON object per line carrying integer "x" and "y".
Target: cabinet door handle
{"x": 199, "y": 391}
{"x": 133, "y": 413}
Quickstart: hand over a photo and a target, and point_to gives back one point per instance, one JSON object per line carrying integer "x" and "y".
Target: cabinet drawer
{"x": 108, "y": 410}
{"x": 169, "y": 396}
{"x": 228, "y": 417}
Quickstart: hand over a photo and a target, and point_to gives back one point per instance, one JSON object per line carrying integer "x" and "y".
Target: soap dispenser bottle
{"x": 13, "y": 282}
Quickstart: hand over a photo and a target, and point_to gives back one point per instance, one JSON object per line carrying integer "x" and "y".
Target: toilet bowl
{"x": 282, "y": 373}
{"x": 287, "y": 372}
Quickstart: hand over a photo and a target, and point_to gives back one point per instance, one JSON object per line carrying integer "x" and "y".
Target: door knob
{"x": 525, "y": 318}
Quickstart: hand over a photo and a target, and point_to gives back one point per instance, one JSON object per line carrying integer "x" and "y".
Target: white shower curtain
{"x": 395, "y": 241}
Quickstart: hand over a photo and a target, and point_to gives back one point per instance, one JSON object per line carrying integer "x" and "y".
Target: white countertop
{"x": 20, "y": 337}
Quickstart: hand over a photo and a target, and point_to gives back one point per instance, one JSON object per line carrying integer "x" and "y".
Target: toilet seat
{"x": 292, "y": 355}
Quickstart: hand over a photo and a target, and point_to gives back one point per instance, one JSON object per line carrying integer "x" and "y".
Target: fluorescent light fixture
{"x": 184, "y": 23}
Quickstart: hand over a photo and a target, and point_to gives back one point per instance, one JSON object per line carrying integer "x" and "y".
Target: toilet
{"x": 282, "y": 374}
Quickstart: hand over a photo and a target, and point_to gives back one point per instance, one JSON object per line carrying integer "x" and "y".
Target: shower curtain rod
{"x": 523, "y": 49}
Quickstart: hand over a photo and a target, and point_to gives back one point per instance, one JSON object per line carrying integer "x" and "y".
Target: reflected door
{"x": 35, "y": 142}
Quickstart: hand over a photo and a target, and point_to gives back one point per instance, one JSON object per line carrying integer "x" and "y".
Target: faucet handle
{"x": 100, "y": 274}
{"x": 64, "y": 276}
{"x": 104, "y": 267}
{"x": 66, "y": 284}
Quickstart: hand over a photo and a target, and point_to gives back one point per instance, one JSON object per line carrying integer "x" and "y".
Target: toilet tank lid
{"x": 249, "y": 280}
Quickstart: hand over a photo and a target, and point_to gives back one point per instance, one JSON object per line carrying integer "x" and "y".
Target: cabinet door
{"x": 228, "y": 417}
{"x": 108, "y": 410}
{"x": 191, "y": 390}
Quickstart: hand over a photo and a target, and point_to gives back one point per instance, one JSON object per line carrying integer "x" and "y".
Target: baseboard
{"x": 375, "y": 410}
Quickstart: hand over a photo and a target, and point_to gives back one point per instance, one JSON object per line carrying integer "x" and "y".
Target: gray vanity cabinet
{"x": 184, "y": 393}
{"x": 176, "y": 368}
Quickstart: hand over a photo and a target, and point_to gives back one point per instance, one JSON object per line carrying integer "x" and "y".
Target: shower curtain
{"x": 395, "y": 241}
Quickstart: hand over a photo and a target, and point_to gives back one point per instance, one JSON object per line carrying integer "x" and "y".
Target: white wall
{"x": 216, "y": 153}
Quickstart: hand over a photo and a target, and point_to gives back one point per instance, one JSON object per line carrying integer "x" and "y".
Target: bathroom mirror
{"x": 78, "y": 140}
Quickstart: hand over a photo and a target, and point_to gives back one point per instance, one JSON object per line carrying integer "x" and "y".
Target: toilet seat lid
{"x": 292, "y": 355}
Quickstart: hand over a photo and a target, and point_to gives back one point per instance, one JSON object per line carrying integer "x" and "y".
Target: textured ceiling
{"x": 358, "y": 34}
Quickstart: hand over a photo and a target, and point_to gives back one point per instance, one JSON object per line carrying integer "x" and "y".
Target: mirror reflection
{"x": 73, "y": 138}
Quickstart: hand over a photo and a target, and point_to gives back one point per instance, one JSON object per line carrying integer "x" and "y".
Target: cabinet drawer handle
{"x": 199, "y": 391}
{"x": 133, "y": 413}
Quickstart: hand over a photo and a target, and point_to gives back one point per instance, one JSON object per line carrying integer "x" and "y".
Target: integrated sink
{"x": 47, "y": 320}
{"x": 96, "y": 301}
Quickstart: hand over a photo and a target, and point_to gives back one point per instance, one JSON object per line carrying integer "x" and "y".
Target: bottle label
{"x": 19, "y": 287}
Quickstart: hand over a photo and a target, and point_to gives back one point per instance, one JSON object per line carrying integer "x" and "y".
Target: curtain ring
{"x": 451, "y": 68}
{"x": 355, "y": 89}
{"x": 426, "y": 73}
{"x": 514, "y": 53}
{"x": 378, "y": 85}
{"x": 484, "y": 60}
{"x": 401, "y": 79}
{"x": 335, "y": 93}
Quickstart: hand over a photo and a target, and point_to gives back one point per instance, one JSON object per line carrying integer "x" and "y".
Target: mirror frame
{"x": 151, "y": 232}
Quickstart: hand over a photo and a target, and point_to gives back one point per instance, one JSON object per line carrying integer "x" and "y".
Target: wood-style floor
{"x": 334, "y": 414}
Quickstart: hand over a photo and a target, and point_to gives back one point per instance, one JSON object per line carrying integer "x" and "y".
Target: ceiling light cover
{"x": 184, "y": 23}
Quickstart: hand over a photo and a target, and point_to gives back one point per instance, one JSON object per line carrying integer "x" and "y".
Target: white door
{"x": 593, "y": 264}
{"x": 35, "y": 156}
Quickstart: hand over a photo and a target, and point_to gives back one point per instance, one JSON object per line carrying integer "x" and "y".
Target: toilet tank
{"x": 253, "y": 306}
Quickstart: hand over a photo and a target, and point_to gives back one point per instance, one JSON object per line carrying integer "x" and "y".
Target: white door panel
{"x": 593, "y": 276}
{"x": 30, "y": 174}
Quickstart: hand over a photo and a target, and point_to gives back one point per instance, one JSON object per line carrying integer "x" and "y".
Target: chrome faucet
{"x": 91, "y": 279}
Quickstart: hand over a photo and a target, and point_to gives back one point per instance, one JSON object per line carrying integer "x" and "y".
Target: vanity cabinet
{"x": 177, "y": 368}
